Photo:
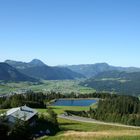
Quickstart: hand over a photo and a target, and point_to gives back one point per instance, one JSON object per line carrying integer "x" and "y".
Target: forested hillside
{"x": 123, "y": 109}
{"x": 8, "y": 73}
{"x": 116, "y": 81}
{"x": 91, "y": 70}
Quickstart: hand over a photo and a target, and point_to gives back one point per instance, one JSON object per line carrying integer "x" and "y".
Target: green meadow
{"x": 73, "y": 130}
{"x": 61, "y": 109}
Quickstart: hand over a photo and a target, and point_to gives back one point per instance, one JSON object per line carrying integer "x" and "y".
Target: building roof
{"x": 23, "y": 113}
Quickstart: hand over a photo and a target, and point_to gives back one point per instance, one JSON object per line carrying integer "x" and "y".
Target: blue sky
{"x": 71, "y": 31}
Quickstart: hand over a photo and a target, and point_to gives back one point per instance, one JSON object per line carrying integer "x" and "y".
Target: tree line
{"x": 39, "y": 100}
{"x": 30, "y": 99}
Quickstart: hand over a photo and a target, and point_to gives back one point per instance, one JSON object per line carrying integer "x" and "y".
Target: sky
{"x": 63, "y": 32}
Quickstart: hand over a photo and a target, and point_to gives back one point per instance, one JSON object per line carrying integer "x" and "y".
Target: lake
{"x": 77, "y": 102}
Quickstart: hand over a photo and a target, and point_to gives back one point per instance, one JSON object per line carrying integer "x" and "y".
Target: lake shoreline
{"x": 74, "y": 102}
{"x": 78, "y": 99}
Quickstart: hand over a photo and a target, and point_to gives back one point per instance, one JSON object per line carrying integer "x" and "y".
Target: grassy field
{"x": 61, "y": 109}
{"x": 62, "y": 86}
{"x": 62, "y": 137}
{"x": 73, "y": 130}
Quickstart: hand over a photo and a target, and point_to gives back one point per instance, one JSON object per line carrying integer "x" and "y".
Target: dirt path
{"x": 89, "y": 120}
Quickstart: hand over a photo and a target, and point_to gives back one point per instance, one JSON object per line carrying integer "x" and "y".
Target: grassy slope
{"x": 73, "y": 130}
{"x": 91, "y": 138}
{"x": 61, "y": 109}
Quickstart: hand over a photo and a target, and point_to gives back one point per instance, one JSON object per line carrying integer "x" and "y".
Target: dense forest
{"x": 122, "y": 109}
{"x": 30, "y": 99}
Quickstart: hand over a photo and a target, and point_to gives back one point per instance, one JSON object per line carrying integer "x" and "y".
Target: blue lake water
{"x": 79, "y": 102}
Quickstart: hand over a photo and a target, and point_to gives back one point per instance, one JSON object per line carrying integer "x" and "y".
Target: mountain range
{"x": 107, "y": 78}
{"x": 9, "y": 73}
{"x": 37, "y": 69}
{"x": 91, "y": 70}
{"x": 100, "y": 76}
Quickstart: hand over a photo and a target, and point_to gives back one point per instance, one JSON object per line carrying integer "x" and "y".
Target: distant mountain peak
{"x": 37, "y": 62}
{"x": 9, "y": 73}
{"x": 8, "y": 61}
{"x": 102, "y": 63}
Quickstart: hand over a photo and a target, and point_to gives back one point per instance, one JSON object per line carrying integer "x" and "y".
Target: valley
{"x": 18, "y": 76}
{"x": 75, "y": 102}
{"x": 62, "y": 86}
